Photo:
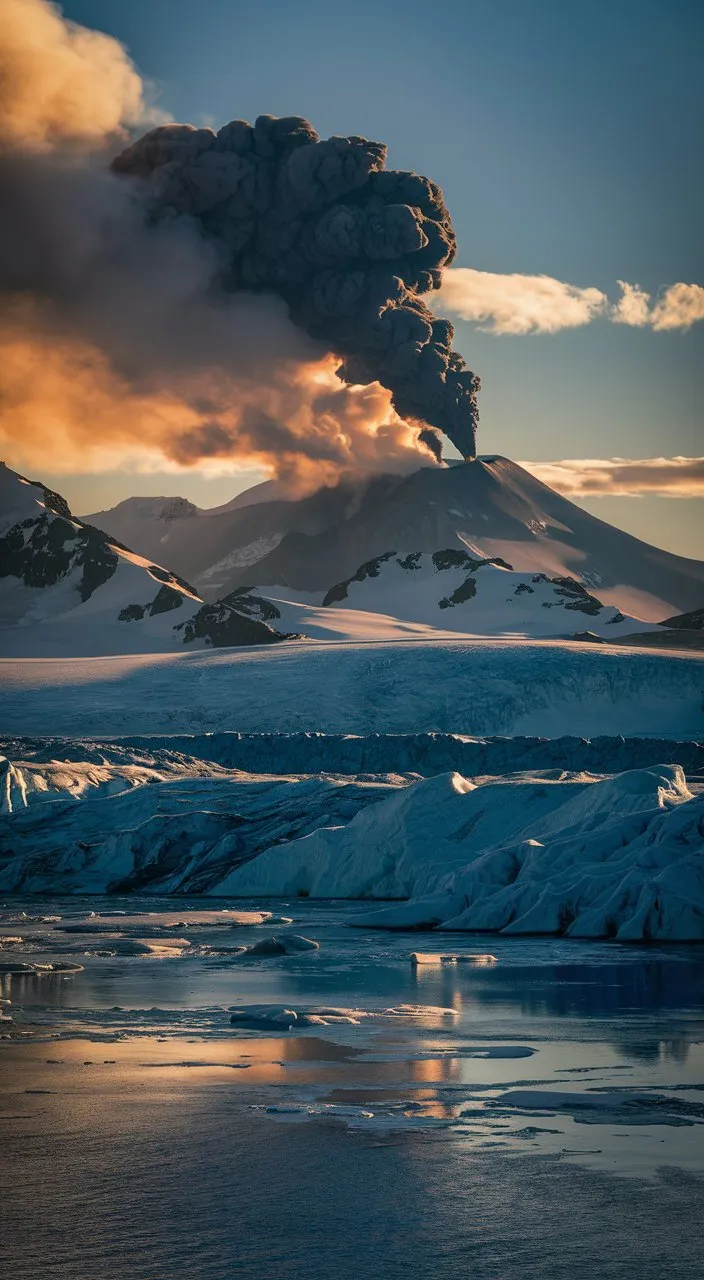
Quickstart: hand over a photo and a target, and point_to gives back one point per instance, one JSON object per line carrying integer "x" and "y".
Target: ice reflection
{"x": 426, "y": 1044}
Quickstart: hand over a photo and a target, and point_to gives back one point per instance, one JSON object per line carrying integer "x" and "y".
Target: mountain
{"x": 454, "y": 590}
{"x": 216, "y": 548}
{"x": 494, "y": 509}
{"x": 490, "y": 507}
{"x": 693, "y": 621}
{"x": 424, "y": 596}
{"x": 477, "y": 526}
{"x": 65, "y": 587}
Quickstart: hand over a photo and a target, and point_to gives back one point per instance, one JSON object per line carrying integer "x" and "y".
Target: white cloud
{"x": 679, "y": 307}
{"x": 633, "y": 307}
{"x": 516, "y": 303}
{"x": 520, "y": 304}
{"x": 628, "y": 477}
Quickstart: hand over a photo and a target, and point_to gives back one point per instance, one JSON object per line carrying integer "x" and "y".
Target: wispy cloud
{"x": 516, "y": 303}
{"x": 625, "y": 477}
{"x": 678, "y": 307}
{"x": 520, "y": 304}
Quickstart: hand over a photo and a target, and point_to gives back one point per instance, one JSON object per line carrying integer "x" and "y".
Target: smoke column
{"x": 349, "y": 245}
{"x": 252, "y": 296}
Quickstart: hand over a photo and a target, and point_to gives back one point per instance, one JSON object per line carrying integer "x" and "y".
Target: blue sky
{"x": 566, "y": 137}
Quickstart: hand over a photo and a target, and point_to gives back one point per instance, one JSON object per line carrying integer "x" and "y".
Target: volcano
{"x": 490, "y": 507}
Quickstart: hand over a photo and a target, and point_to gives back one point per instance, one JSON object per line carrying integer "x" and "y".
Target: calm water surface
{"x": 538, "y": 1117}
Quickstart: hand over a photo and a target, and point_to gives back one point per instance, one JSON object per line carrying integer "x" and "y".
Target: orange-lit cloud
{"x": 627, "y": 477}
{"x": 118, "y": 347}
{"x": 61, "y": 82}
{"x": 64, "y": 406}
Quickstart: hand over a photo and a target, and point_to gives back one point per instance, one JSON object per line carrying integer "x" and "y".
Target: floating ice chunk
{"x": 18, "y": 969}
{"x": 279, "y": 945}
{"x": 417, "y": 1011}
{"x": 118, "y": 945}
{"x": 555, "y": 1100}
{"x": 620, "y": 1106}
{"x": 267, "y": 1016}
{"x": 119, "y": 922}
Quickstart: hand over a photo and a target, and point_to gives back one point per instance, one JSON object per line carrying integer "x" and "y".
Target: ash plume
{"x": 349, "y": 245}
{"x": 246, "y": 297}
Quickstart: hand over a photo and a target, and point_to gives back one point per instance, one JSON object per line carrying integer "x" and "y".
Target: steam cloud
{"x": 251, "y": 295}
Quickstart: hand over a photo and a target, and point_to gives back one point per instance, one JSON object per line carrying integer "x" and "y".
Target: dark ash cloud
{"x": 252, "y": 296}
{"x": 350, "y": 246}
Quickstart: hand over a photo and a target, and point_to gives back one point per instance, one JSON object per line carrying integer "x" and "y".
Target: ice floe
{"x": 273, "y": 1016}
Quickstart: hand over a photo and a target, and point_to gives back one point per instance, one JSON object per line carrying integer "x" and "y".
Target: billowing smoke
{"x": 349, "y": 245}
{"x": 251, "y": 296}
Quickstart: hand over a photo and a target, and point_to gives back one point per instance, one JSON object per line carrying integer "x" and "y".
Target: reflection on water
{"x": 152, "y": 1138}
{"x": 591, "y": 987}
{"x": 589, "y": 1016}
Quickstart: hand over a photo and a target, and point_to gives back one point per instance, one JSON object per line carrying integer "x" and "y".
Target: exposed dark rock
{"x": 221, "y": 626}
{"x": 589, "y": 637}
{"x": 465, "y": 591}
{"x": 370, "y": 569}
{"x": 43, "y": 551}
{"x": 165, "y": 599}
{"x": 253, "y": 606}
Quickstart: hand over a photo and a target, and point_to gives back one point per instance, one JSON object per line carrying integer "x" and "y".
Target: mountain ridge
{"x": 66, "y": 584}
{"x": 491, "y": 507}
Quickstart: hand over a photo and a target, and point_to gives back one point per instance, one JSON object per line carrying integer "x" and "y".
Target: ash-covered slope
{"x": 493, "y": 508}
{"x": 453, "y": 590}
{"x": 66, "y": 588}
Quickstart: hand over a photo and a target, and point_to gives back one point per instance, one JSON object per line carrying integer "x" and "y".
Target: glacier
{"x": 557, "y": 846}
{"x": 580, "y": 855}
{"x": 475, "y": 687}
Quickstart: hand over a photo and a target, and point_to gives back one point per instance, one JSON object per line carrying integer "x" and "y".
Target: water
{"x": 538, "y": 1117}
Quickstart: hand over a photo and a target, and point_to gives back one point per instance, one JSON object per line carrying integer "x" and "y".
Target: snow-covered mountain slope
{"x": 303, "y": 613}
{"x": 65, "y": 588}
{"x": 619, "y": 857}
{"x": 453, "y": 590}
{"x": 492, "y": 508}
{"x": 477, "y": 687}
